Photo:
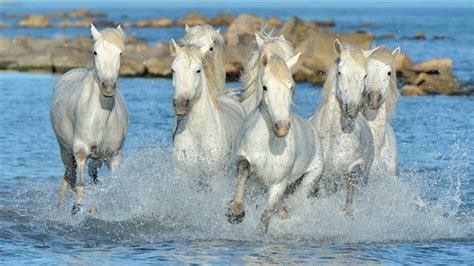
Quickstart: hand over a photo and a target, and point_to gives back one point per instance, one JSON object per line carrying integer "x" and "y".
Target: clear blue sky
{"x": 252, "y": 3}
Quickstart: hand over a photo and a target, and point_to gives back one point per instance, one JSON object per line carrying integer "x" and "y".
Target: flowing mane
{"x": 272, "y": 45}
{"x": 194, "y": 35}
{"x": 385, "y": 56}
{"x": 114, "y": 36}
{"x": 213, "y": 81}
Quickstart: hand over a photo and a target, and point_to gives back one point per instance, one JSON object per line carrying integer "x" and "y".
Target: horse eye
{"x": 120, "y": 54}
{"x": 339, "y": 73}
{"x": 365, "y": 76}
{"x": 210, "y": 49}
{"x": 199, "y": 71}
{"x": 265, "y": 88}
{"x": 95, "y": 53}
{"x": 172, "y": 70}
{"x": 389, "y": 73}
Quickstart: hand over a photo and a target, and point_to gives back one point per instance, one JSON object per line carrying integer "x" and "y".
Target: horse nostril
{"x": 187, "y": 102}
{"x": 103, "y": 84}
{"x": 174, "y": 102}
{"x": 115, "y": 85}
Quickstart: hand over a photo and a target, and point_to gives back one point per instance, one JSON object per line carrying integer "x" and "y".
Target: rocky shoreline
{"x": 313, "y": 38}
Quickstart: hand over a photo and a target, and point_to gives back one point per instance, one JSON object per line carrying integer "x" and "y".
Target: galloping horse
{"x": 381, "y": 95}
{"x": 207, "y": 121}
{"x": 88, "y": 113}
{"x": 275, "y": 146}
{"x": 346, "y": 137}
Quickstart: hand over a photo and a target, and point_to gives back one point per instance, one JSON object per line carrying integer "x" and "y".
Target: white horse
{"x": 381, "y": 95}
{"x": 202, "y": 35}
{"x": 275, "y": 146}
{"x": 207, "y": 121}
{"x": 346, "y": 137}
{"x": 267, "y": 44}
{"x": 88, "y": 112}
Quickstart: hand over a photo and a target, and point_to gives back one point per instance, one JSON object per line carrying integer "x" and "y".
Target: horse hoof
{"x": 235, "y": 219}
{"x": 76, "y": 208}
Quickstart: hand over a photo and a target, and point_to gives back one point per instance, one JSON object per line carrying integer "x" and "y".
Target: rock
{"x": 158, "y": 66}
{"x": 82, "y": 12}
{"x": 411, "y": 90}
{"x": 127, "y": 24}
{"x": 316, "y": 45}
{"x": 161, "y": 22}
{"x": 327, "y": 23}
{"x": 432, "y": 77}
{"x": 389, "y": 35}
{"x": 420, "y": 36}
{"x": 221, "y": 19}
{"x": 36, "y": 21}
{"x": 243, "y": 24}
{"x": 439, "y": 37}
{"x": 435, "y": 66}
{"x": 64, "y": 24}
{"x": 193, "y": 18}
{"x": 66, "y": 58}
{"x": 58, "y": 15}
{"x": 2, "y": 25}
{"x": 131, "y": 67}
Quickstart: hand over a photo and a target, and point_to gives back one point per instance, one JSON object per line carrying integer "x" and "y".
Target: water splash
{"x": 149, "y": 200}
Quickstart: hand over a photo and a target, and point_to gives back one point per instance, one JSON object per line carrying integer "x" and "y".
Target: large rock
{"x": 317, "y": 47}
{"x": 36, "y": 21}
{"x": 221, "y": 19}
{"x": 431, "y": 77}
{"x": 2, "y": 25}
{"x": 193, "y": 18}
{"x": 131, "y": 67}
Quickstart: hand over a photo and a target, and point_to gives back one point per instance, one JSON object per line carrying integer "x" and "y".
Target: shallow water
{"x": 151, "y": 212}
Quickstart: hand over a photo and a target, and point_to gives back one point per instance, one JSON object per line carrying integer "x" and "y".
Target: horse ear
{"x": 259, "y": 40}
{"x": 219, "y": 30}
{"x": 186, "y": 28}
{"x": 396, "y": 52}
{"x": 206, "y": 48}
{"x": 95, "y": 33}
{"x": 264, "y": 60}
{"x": 368, "y": 53}
{"x": 174, "y": 47}
{"x": 282, "y": 37}
{"x": 338, "y": 47}
{"x": 292, "y": 62}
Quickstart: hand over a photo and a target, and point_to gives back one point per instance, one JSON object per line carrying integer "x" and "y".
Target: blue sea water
{"x": 150, "y": 212}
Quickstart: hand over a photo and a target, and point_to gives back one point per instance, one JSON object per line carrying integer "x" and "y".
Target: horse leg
{"x": 114, "y": 162}
{"x": 275, "y": 195}
{"x": 356, "y": 171}
{"x": 69, "y": 173}
{"x": 81, "y": 159}
{"x": 94, "y": 166}
{"x": 235, "y": 214}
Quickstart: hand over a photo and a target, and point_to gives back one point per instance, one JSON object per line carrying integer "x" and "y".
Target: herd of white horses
{"x": 254, "y": 132}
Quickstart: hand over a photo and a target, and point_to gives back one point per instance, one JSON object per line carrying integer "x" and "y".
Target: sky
{"x": 243, "y": 3}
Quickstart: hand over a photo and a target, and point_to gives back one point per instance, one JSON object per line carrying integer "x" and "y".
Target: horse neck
{"x": 377, "y": 120}
{"x": 330, "y": 111}
{"x": 91, "y": 92}
{"x": 203, "y": 110}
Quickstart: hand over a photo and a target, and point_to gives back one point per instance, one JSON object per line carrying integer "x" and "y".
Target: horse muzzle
{"x": 281, "y": 129}
{"x": 108, "y": 88}
{"x": 181, "y": 107}
{"x": 374, "y": 100}
{"x": 350, "y": 111}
